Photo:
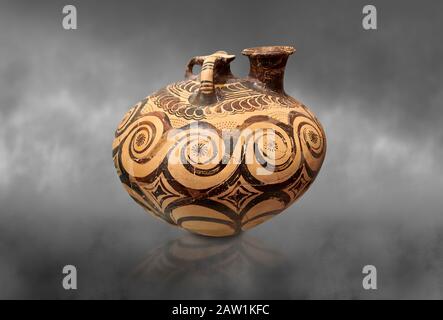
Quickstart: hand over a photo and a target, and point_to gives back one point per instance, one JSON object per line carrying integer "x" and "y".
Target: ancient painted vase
{"x": 216, "y": 154}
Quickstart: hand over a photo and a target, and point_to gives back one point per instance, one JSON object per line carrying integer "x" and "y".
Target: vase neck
{"x": 267, "y": 66}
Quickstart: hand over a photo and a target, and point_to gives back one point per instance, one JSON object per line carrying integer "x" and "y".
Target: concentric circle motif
{"x": 215, "y": 182}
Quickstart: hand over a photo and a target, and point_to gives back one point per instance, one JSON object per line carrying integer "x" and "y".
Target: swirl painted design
{"x": 213, "y": 181}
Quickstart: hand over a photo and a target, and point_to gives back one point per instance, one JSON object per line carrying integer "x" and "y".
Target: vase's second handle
{"x": 206, "y": 93}
{"x": 198, "y": 60}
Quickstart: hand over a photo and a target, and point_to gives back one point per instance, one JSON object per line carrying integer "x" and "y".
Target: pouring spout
{"x": 267, "y": 66}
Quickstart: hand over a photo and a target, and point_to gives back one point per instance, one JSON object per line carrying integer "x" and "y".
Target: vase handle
{"x": 206, "y": 92}
{"x": 198, "y": 60}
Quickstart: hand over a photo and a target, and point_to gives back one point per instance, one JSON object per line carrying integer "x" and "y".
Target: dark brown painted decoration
{"x": 216, "y": 154}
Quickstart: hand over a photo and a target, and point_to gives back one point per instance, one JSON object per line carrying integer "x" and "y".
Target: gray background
{"x": 378, "y": 199}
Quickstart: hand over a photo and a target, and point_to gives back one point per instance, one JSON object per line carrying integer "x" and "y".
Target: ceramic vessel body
{"x": 216, "y": 154}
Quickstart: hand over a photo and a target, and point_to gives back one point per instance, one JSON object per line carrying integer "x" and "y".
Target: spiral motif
{"x": 128, "y": 117}
{"x": 198, "y": 151}
{"x": 216, "y": 182}
{"x": 271, "y": 154}
{"x": 141, "y": 138}
{"x": 312, "y": 141}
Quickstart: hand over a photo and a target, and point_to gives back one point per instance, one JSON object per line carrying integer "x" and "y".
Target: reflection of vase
{"x": 190, "y": 257}
{"x": 216, "y": 154}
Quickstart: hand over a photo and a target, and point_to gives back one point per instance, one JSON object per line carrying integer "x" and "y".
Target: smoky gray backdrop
{"x": 378, "y": 199}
